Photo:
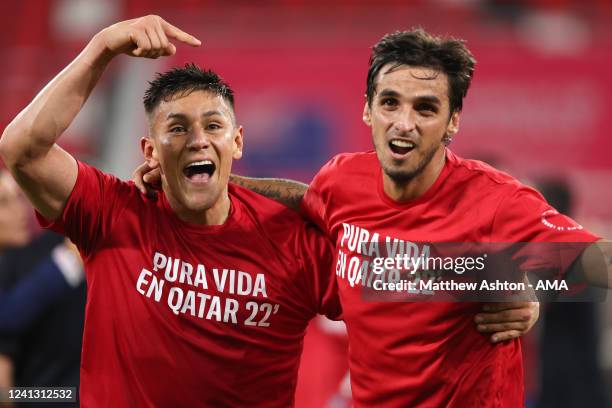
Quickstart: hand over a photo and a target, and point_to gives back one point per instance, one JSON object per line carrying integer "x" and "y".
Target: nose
{"x": 198, "y": 139}
{"x": 405, "y": 121}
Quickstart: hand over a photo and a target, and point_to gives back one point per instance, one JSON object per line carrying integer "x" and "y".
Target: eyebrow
{"x": 388, "y": 92}
{"x": 424, "y": 98}
{"x": 182, "y": 116}
{"x": 429, "y": 98}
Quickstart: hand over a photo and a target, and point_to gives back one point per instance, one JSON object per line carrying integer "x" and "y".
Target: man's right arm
{"x": 45, "y": 172}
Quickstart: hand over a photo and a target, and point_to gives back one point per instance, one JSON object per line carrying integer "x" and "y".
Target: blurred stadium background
{"x": 539, "y": 106}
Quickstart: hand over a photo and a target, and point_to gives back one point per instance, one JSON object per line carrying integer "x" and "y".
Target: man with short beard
{"x": 414, "y": 189}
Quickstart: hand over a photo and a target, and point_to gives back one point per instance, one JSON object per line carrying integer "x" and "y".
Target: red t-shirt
{"x": 181, "y": 315}
{"x": 427, "y": 354}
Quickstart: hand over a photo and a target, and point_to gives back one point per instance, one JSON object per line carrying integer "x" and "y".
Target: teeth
{"x": 200, "y": 163}
{"x": 402, "y": 143}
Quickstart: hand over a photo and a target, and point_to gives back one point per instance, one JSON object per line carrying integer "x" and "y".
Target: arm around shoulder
{"x": 287, "y": 192}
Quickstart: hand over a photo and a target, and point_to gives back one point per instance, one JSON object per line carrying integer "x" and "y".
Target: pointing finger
{"x": 178, "y": 34}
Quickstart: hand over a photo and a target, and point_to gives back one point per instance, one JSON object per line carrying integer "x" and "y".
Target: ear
{"x": 453, "y": 123}
{"x": 238, "y": 144}
{"x": 149, "y": 152}
{"x": 367, "y": 114}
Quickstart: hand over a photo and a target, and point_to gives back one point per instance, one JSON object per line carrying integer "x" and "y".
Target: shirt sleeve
{"x": 315, "y": 252}
{"x": 93, "y": 207}
{"x": 547, "y": 239}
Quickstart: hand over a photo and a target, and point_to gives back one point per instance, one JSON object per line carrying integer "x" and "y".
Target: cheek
{"x": 168, "y": 146}
{"x": 381, "y": 123}
{"x": 224, "y": 145}
{"x": 380, "y": 117}
{"x": 225, "y": 157}
{"x": 434, "y": 129}
{"x": 379, "y": 131}
{"x": 167, "y": 150}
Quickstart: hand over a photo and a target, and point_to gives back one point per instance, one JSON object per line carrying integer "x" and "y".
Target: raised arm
{"x": 45, "y": 171}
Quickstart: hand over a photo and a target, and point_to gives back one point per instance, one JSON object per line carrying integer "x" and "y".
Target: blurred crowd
{"x": 42, "y": 299}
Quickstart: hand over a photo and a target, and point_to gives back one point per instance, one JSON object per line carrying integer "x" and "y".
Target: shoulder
{"x": 357, "y": 160}
{"x": 92, "y": 180}
{"x": 91, "y": 175}
{"x": 275, "y": 221}
{"x": 485, "y": 177}
{"x": 345, "y": 168}
{"x": 263, "y": 210}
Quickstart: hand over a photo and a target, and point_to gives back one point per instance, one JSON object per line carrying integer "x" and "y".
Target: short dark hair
{"x": 184, "y": 81}
{"x": 419, "y": 48}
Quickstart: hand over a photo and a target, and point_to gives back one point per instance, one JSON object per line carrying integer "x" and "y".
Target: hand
{"x": 147, "y": 179}
{"x": 507, "y": 320}
{"x": 144, "y": 37}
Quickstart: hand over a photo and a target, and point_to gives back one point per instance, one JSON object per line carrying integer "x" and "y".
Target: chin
{"x": 195, "y": 205}
{"x": 400, "y": 175}
{"x": 201, "y": 201}
{"x": 194, "y": 198}
{"x": 401, "y": 170}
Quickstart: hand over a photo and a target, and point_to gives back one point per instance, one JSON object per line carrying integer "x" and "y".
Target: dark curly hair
{"x": 419, "y": 48}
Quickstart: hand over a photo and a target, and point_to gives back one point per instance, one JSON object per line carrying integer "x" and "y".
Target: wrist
{"x": 96, "y": 54}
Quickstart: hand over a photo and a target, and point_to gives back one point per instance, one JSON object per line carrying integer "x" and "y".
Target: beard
{"x": 403, "y": 176}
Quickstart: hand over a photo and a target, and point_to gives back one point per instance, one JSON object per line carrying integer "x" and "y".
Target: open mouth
{"x": 401, "y": 147}
{"x": 200, "y": 171}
